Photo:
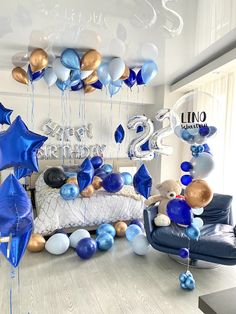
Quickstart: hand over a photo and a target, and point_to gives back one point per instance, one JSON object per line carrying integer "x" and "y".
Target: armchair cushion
{"x": 216, "y": 240}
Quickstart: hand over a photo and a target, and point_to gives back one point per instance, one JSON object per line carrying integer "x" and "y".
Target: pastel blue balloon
{"x": 113, "y": 89}
{"x": 127, "y": 177}
{"x": 117, "y": 83}
{"x": 132, "y": 231}
{"x": 106, "y": 228}
{"x": 103, "y": 74}
{"x": 193, "y": 232}
{"x": 69, "y": 191}
{"x": 70, "y": 59}
{"x": 104, "y": 241}
{"x": 183, "y": 286}
{"x": 148, "y": 71}
{"x": 107, "y": 168}
{"x": 63, "y": 85}
{"x": 190, "y": 283}
{"x": 182, "y": 277}
{"x": 74, "y": 77}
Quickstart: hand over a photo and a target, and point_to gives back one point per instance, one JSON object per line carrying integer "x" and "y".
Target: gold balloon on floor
{"x": 88, "y": 191}
{"x": 90, "y": 60}
{"x": 72, "y": 180}
{"x": 20, "y": 75}
{"x": 36, "y": 243}
{"x": 125, "y": 75}
{"x": 92, "y": 78}
{"x": 38, "y": 60}
{"x": 97, "y": 183}
{"x": 120, "y": 227}
{"x": 89, "y": 89}
{"x": 198, "y": 194}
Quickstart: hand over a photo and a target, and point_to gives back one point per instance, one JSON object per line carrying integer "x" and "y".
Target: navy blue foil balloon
{"x": 85, "y": 174}
{"x": 35, "y": 76}
{"x": 97, "y": 85}
{"x": 22, "y": 172}
{"x": 15, "y": 218}
{"x": 19, "y": 146}
{"x": 139, "y": 78}
{"x": 5, "y": 115}
{"x": 130, "y": 81}
{"x": 142, "y": 181}
{"x": 119, "y": 134}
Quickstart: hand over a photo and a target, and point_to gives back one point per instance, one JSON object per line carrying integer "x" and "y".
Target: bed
{"x": 53, "y": 212}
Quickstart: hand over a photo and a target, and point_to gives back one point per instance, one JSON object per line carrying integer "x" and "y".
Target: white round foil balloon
{"x": 78, "y": 235}
{"x": 116, "y": 68}
{"x": 57, "y": 244}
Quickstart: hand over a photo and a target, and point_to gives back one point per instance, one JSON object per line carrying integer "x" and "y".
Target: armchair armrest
{"x": 149, "y": 215}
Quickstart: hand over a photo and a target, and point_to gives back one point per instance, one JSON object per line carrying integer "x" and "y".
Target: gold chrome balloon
{"x": 90, "y": 60}
{"x": 97, "y": 183}
{"x": 125, "y": 75}
{"x": 88, "y": 191}
{"x": 92, "y": 78}
{"x": 36, "y": 243}
{"x": 120, "y": 227}
{"x": 198, "y": 194}
{"x": 89, "y": 89}
{"x": 38, "y": 60}
{"x": 20, "y": 75}
{"x": 72, "y": 180}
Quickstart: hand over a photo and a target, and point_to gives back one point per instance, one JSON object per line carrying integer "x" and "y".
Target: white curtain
{"x": 223, "y": 144}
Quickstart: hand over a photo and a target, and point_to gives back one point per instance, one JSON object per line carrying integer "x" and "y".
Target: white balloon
{"x": 61, "y": 72}
{"x": 57, "y": 244}
{"x": 50, "y": 77}
{"x": 202, "y": 166}
{"x": 78, "y": 235}
{"x": 198, "y": 222}
{"x": 117, "y": 48}
{"x": 116, "y": 68}
{"x": 198, "y": 211}
{"x": 85, "y": 74}
{"x": 140, "y": 245}
{"x": 149, "y": 51}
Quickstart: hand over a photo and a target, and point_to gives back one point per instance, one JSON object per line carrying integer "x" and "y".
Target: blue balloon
{"x": 104, "y": 241}
{"x": 19, "y": 146}
{"x": 184, "y": 253}
{"x": 5, "y": 115}
{"x": 139, "y": 78}
{"x": 86, "y": 248}
{"x": 107, "y": 168}
{"x": 138, "y": 223}
{"x": 74, "y": 77}
{"x": 179, "y": 211}
{"x": 85, "y": 174}
{"x": 103, "y": 73}
{"x": 130, "y": 81}
{"x": 78, "y": 86}
{"x": 15, "y": 218}
{"x": 193, "y": 232}
{"x": 22, "y": 172}
{"x": 100, "y": 173}
{"x": 113, "y": 182}
{"x": 143, "y": 181}
{"x": 204, "y": 130}
{"x": 190, "y": 283}
{"x": 96, "y": 161}
{"x": 35, "y": 76}
{"x": 183, "y": 286}
{"x": 145, "y": 146}
{"x": 183, "y": 277}
{"x": 63, "y": 85}
{"x": 113, "y": 89}
{"x": 186, "y": 166}
{"x": 186, "y": 136}
{"x": 106, "y": 228}
{"x": 127, "y": 177}
{"x": 117, "y": 83}
{"x": 148, "y": 71}
{"x": 119, "y": 134}
{"x": 213, "y": 130}
{"x": 70, "y": 59}
{"x": 97, "y": 85}
{"x": 132, "y": 231}
{"x": 69, "y": 191}
{"x": 186, "y": 179}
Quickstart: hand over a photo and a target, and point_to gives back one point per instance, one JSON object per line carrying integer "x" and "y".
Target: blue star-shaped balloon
{"x": 19, "y": 146}
{"x": 119, "y": 134}
{"x": 143, "y": 181}
{"x": 22, "y": 172}
{"x": 85, "y": 174}
{"x": 5, "y": 115}
{"x": 16, "y": 219}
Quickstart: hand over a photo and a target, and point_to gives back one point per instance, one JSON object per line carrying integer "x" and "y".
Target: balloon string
{"x": 62, "y": 122}
{"x": 18, "y": 281}
{"x": 32, "y": 105}
{"x": 188, "y": 262}
{"x": 111, "y": 124}
{"x": 49, "y": 102}
{"x": 12, "y": 276}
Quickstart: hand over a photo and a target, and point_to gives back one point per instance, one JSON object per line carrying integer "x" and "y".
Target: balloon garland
{"x": 87, "y": 72}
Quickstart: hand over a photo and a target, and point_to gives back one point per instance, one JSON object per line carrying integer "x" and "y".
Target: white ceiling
{"x": 114, "y": 27}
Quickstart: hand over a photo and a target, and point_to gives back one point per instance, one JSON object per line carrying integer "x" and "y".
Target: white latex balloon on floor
{"x": 78, "y": 235}
{"x": 116, "y": 68}
{"x": 140, "y": 245}
{"x": 57, "y": 244}
{"x": 61, "y": 72}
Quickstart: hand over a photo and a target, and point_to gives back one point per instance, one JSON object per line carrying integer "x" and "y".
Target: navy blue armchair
{"x": 217, "y": 243}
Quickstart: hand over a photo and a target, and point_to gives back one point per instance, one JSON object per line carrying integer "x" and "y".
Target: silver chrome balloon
{"x": 202, "y": 166}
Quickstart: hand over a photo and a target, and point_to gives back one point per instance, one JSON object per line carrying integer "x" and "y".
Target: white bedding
{"x": 55, "y": 213}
